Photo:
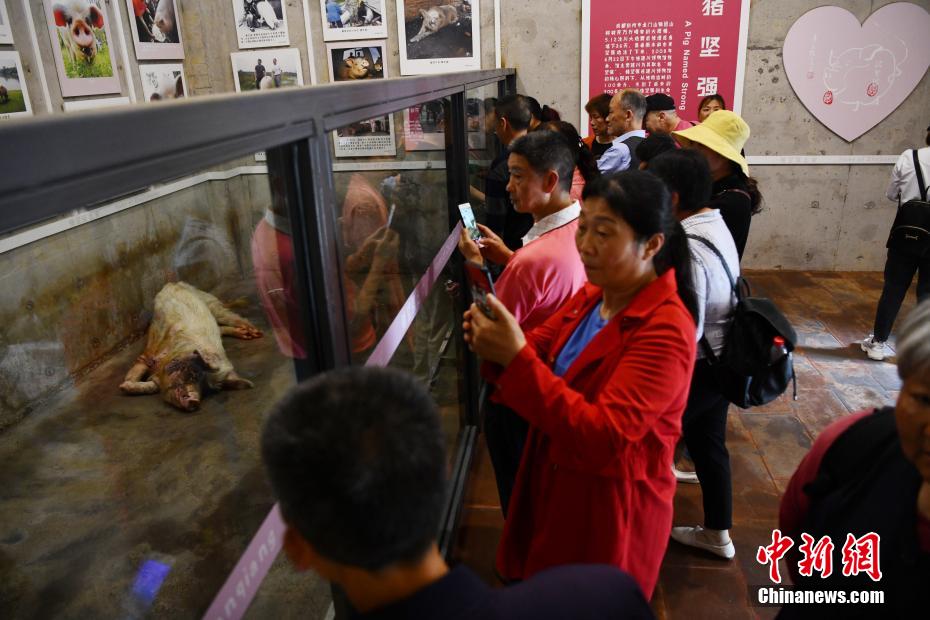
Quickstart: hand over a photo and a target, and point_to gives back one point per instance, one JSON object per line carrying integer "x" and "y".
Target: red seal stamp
{"x": 872, "y": 89}
{"x": 828, "y": 97}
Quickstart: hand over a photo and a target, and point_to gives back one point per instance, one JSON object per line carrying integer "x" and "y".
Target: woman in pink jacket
{"x": 603, "y": 384}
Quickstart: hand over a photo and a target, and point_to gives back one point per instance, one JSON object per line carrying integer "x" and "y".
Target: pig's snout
{"x": 188, "y": 400}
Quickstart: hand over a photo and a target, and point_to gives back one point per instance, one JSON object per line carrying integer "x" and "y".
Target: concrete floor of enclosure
{"x": 831, "y": 312}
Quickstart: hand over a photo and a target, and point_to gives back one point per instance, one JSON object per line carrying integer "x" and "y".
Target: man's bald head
{"x": 627, "y": 109}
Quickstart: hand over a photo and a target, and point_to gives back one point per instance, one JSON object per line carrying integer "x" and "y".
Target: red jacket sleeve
{"x": 654, "y": 369}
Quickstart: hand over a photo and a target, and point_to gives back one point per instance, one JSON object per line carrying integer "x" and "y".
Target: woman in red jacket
{"x": 603, "y": 384}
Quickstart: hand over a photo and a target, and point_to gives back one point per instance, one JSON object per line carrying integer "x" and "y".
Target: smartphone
{"x": 390, "y": 217}
{"x": 468, "y": 219}
{"x": 480, "y": 283}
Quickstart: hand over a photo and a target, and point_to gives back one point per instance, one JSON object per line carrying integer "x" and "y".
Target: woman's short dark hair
{"x": 718, "y": 98}
{"x": 654, "y": 145}
{"x": 642, "y": 201}
{"x": 600, "y": 104}
{"x": 685, "y": 172}
{"x": 584, "y": 158}
{"x": 546, "y": 150}
{"x": 356, "y": 458}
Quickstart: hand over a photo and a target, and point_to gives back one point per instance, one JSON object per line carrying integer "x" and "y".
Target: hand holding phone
{"x": 480, "y": 283}
{"x": 468, "y": 220}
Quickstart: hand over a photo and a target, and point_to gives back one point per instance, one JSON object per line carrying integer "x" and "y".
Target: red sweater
{"x": 595, "y": 483}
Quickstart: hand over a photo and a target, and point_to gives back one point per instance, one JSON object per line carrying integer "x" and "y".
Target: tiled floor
{"x": 831, "y": 312}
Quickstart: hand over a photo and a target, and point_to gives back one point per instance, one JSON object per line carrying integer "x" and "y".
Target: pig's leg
{"x": 134, "y": 382}
{"x": 231, "y": 324}
{"x": 234, "y": 382}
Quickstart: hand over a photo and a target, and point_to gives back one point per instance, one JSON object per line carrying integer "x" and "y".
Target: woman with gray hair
{"x": 865, "y": 484}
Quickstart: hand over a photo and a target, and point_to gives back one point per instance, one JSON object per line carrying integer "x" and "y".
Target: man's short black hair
{"x": 685, "y": 171}
{"x": 516, "y": 110}
{"x": 356, "y": 459}
{"x": 654, "y": 145}
{"x": 546, "y": 150}
{"x": 535, "y": 108}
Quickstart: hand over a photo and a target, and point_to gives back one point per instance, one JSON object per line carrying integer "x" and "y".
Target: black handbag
{"x": 746, "y": 371}
{"x": 910, "y": 232}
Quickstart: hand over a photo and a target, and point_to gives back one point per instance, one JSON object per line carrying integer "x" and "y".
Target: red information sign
{"x": 686, "y": 48}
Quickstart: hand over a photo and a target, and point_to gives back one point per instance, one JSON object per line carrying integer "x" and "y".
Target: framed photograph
{"x": 6, "y": 33}
{"x": 80, "y": 34}
{"x": 353, "y": 19}
{"x": 267, "y": 69}
{"x": 361, "y": 60}
{"x": 94, "y": 104}
{"x": 260, "y": 23}
{"x": 156, "y": 33}
{"x": 437, "y": 37}
{"x": 162, "y": 81}
{"x": 14, "y": 98}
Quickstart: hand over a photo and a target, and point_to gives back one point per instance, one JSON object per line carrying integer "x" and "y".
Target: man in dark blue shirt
{"x": 356, "y": 458}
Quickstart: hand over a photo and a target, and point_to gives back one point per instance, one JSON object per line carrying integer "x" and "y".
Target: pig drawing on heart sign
{"x": 184, "y": 352}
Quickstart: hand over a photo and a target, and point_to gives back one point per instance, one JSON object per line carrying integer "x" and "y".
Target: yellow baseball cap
{"x": 723, "y": 132}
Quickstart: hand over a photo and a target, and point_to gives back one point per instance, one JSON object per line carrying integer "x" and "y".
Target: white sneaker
{"x": 709, "y": 540}
{"x": 687, "y": 477}
{"x": 875, "y": 350}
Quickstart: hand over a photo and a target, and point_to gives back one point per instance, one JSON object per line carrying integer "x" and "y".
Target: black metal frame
{"x": 46, "y": 176}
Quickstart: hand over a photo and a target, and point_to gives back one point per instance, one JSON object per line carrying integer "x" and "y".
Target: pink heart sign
{"x": 852, "y": 76}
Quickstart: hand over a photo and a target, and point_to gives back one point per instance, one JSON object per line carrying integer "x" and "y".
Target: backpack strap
{"x": 920, "y": 177}
{"x": 723, "y": 261}
{"x": 703, "y": 342}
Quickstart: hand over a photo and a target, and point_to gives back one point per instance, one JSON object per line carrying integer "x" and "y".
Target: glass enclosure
{"x": 144, "y": 338}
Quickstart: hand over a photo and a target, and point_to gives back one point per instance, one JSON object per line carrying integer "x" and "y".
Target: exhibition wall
{"x": 826, "y": 214}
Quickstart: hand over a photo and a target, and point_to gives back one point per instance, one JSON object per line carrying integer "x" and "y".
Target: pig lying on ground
{"x": 76, "y": 20}
{"x": 435, "y": 19}
{"x": 266, "y": 83}
{"x": 184, "y": 352}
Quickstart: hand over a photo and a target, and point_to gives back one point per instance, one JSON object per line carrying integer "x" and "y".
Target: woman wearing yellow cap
{"x": 720, "y": 138}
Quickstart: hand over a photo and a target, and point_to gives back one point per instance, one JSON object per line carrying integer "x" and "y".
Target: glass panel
{"x": 393, "y": 219}
{"x": 129, "y": 430}
{"x": 483, "y": 147}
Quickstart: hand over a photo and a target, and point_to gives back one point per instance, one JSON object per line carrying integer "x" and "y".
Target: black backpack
{"x": 745, "y": 371}
{"x": 910, "y": 233}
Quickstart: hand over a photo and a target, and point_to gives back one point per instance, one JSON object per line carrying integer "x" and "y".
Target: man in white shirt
{"x": 625, "y": 121}
{"x": 900, "y": 267}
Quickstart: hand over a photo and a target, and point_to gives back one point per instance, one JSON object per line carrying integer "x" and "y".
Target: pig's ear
{"x": 424, "y": 14}
{"x": 209, "y": 360}
{"x": 61, "y": 15}
{"x": 96, "y": 17}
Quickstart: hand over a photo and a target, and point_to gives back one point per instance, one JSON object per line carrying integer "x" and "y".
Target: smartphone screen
{"x": 468, "y": 219}
{"x": 480, "y": 283}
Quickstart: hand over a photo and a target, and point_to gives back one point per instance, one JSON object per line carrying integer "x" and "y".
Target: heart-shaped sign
{"x": 851, "y": 76}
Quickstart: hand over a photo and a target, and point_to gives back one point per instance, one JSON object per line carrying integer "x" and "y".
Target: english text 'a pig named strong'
{"x": 184, "y": 352}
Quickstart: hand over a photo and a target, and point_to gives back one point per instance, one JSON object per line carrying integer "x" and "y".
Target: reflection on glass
{"x": 117, "y": 503}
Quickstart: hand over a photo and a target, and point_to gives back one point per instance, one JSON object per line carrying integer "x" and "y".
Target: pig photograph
{"x": 344, "y": 20}
{"x": 438, "y": 36}
{"x": 14, "y": 99}
{"x": 358, "y": 60}
{"x": 266, "y": 70}
{"x": 260, "y": 23}
{"x": 80, "y": 34}
{"x": 162, "y": 82}
{"x": 6, "y": 33}
{"x": 156, "y": 33}
{"x": 184, "y": 357}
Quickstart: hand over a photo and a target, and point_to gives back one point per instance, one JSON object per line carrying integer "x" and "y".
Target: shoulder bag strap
{"x": 920, "y": 177}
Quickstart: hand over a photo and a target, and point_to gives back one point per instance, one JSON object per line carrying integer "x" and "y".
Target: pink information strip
{"x": 243, "y": 582}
